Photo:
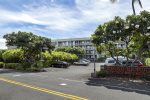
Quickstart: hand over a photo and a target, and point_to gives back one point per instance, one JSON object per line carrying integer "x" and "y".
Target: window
{"x": 111, "y": 61}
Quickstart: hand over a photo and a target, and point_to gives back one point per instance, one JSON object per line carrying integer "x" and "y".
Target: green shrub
{"x": 1, "y": 52}
{"x": 147, "y": 62}
{"x": 1, "y": 64}
{"x": 47, "y": 58}
{"x": 101, "y": 74}
{"x": 12, "y": 55}
{"x": 64, "y": 56}
{"x": 22, "y": 67}
{"x": 13, "y": 65}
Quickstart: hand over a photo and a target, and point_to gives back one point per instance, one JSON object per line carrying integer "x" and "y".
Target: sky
{"x": 57, "y": 19}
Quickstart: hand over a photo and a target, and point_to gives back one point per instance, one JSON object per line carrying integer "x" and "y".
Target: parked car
{"x": 110, "y": 61}
{"x": 60, "y": 64}
{"x": 132, "y": 63}
{"x": 86, "y": 60}
{"x": 81, "y": 62}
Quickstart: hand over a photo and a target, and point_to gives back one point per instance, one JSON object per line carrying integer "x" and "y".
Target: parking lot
{"x": 73, "y": 83}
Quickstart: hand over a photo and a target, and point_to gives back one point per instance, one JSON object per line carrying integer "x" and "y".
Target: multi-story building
{"x": 85, "y": 43}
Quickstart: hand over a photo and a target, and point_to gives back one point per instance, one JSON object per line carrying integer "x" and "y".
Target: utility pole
{"x": 94, "y": 63}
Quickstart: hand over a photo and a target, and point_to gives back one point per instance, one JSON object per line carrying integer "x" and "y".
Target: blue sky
{"x": 61, "y": 18}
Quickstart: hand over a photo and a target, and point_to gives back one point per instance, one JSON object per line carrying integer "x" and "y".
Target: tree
{"x": 141, "y": 37}
{"x": 106, "y": 35}
{"x": 31, "y": 44}
{"x": 134, "y": 31}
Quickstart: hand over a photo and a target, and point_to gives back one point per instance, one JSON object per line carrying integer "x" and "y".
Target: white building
{"x": 85, "y": 43}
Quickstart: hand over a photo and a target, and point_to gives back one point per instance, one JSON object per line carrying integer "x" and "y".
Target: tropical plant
{"x": 13, "y": 56}
{"x": 31, "y": 44}
{"x": 134, "y": 32}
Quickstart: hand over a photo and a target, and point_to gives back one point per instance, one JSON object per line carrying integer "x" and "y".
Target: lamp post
{"x": 41, "y": 57}
{"x": 94, "y": 64}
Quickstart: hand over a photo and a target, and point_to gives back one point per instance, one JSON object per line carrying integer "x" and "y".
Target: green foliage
{"x": 47, "y": 58}
{"x": 1, "y": 52}
{"x": 22, "y": 67}
{"x": 64, "y": 56}
{"x": 132, "y": 31}
{"x": 12, "y": 65}
{"x": 31, "y": 44}
{"x": 74, "y": 50}
{"x": 101, "y": 73}
{"x": 147, "y": 61}
{"x": 1, "y": 64}
{"x": 12, "y": 55}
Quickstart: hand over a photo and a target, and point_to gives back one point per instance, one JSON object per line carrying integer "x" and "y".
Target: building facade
{"x": 85, "y": 43}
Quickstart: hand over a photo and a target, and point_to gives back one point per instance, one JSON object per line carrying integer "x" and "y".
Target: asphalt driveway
{"x": 73, "y": 83}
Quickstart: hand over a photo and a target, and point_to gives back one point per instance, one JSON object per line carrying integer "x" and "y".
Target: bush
{"x": 47, "y": 57}
{"x": 1, "y": 52}
{"x": 1, "y": 64}
{"x": 13, "y": 65}
{"x": 12, "y": 55}
{"x": 147, "y": 62}
{"x": 101, "y": 74}
{"x": 63, "y": 56}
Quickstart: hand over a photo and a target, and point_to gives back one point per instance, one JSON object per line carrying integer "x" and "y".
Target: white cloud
{"x": 3, "y": 44}
{"x": 60, "y": 18}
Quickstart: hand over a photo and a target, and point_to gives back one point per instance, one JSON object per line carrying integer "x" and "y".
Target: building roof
{"x": 71, "y": 39}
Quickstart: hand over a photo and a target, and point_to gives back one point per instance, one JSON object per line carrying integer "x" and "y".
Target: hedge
{"x": 1, "y": 52}
{"x": 1, "y": 64}
{"x": 13, "y": 65}
{"x": 47, "y": 57}
{"x": 64, "y": 56}
{"x": 147, "y": 62}
{"x": 12, "y": 56}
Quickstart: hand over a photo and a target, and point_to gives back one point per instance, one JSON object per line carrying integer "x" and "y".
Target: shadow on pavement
{"x": 127, "y": 85}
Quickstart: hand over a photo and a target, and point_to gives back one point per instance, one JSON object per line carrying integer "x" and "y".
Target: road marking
{"x": 72, "y": 80}
{"x": 68, "y": 96}
{"x": 16, "y": 75}
{"x": 63, "y": 84}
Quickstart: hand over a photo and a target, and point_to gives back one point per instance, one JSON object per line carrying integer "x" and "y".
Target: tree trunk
{"x": 133, "y": 8}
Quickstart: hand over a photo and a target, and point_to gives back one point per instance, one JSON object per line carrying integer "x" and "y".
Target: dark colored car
{"x": 133, "y": 63}
{"x": 60, "y": 64}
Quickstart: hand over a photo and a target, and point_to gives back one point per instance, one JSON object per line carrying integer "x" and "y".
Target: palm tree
{"x": 133, "y": 1}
